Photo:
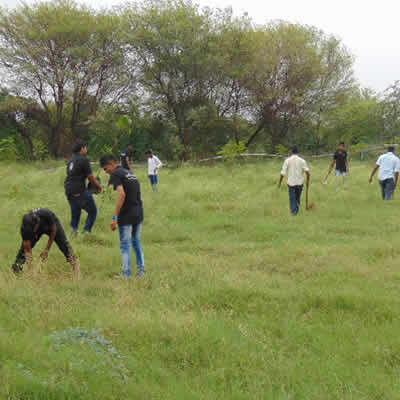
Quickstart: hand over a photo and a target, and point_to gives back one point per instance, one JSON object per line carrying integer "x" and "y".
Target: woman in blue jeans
{"x": 128, "y": 213}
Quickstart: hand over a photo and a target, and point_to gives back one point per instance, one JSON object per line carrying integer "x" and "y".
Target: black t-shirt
{"x": 47, "y": 220}
{"x": 132, "y": 210}
{"x": 125, "y": 153}
{"x": 341, "y": 159}
{"x": 78, "y": 169}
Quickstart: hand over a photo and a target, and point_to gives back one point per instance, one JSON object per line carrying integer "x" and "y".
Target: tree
{"x": 58, "y": 52}
{"x": 391, "y": 110}
{"x": 171, "y": 42}
{"x": 297, "y": 72}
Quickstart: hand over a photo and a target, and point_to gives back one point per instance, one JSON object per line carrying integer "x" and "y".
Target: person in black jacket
{"x": 79, "y": 197}
{"x": 128, "y": 213}
{"x": 38, "y": 222}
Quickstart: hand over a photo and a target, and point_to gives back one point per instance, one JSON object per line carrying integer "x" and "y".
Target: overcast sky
{"x": 370, "y": 29}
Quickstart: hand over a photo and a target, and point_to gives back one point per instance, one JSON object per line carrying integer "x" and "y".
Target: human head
{"x": 391, "y": 149}
{"x": 129, "y": 147}
{"x": 294, "y": 149}
{"x": 79, "y": 147}
{"x": 341, "y": 146}
{"x": 30, "y": 223}
{"x": 149, "y": 153}
{"x": 109, "y": 163}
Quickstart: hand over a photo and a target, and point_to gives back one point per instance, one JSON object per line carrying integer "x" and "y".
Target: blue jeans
{"x": 130, "y": 235}
{"x": 84, "y": 202}
{"x": 294, "y": 198}
{"x": 153, "y": 179}
{"x": 387, "y": 187}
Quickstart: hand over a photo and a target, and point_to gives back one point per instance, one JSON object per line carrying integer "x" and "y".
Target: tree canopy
{"x": 188, "y": 79}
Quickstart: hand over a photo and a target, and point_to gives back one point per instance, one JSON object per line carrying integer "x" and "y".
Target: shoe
{"x": 121, "y": 277}
{"x": 17, "y": 269}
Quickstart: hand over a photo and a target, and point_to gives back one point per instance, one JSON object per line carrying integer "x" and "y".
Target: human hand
{"x": 98, "y": 189}
{"x": 44, "y": 255}
{"x": 113, "y": 225}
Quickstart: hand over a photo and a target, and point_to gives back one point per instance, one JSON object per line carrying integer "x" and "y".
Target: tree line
{"x": 181, "y": 79}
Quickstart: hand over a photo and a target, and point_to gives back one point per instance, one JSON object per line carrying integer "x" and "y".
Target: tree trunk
{"x": 28, "y": 141}
{"x": 54, "y": 141}
{"x": 255, "y": 134}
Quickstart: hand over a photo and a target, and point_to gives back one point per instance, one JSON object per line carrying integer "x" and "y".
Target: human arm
{"x": 373, "y": 173}
{"x": 28, "y": 253}
{"x": 280, "y": 181}
{"x": 118, "y": 204}
{"x": 283, "y": 173}
{"x": 128, "y": 162}
{"x": 158, "y": 164}
{"x": 93, "y": 180}
{"x": 396, "y": 178}
{"x": 330, "y": 168}
{"x": 52, "y": 235}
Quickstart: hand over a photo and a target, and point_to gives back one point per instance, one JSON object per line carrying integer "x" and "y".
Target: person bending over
{"x": 79, "y": 197}
{"x": 128, "y": 213}
{"x": 38, "y": 222}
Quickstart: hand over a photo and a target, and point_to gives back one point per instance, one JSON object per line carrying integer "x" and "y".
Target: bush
{"x": 8, "y": 149}
{"x": 232, "y": 150}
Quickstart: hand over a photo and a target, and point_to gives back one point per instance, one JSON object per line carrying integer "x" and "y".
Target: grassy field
{"x": 240, "y": 300}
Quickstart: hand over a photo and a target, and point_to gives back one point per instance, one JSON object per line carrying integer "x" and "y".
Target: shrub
{"x": 232, "y": 150}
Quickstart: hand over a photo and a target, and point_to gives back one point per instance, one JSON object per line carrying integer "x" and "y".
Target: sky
{"x": 369, "y": 29}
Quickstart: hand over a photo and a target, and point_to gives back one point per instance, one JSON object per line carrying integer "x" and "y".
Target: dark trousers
{"x": 83, "y": 202}
{"x": 61, "y": 241}
{"x": 387, "y": 187}
{"x": 294, "y": 198}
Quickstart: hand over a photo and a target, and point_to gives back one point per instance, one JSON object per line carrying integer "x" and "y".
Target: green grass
{"x": 240, "y": 301}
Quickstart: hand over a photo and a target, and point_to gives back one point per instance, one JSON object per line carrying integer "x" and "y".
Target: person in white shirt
{"x": 388, "y": 175}
{"x": 154, "y": 164}
{"x": 295, "y": 167}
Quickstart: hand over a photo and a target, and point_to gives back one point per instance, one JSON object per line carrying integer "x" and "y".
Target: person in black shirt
{"x": 126, "y": 156}
{"x": 128, "y": 212}
{"x": 342, "y": 164}
{"x": 38, "y": 222}
{"x": 79, "y": 197}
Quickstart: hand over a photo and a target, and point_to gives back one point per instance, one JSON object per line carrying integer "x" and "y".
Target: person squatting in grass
{"x": 128, "y": 213}
{"x": 388, "y": 175}
{"x": 153, "y": 164}
{"x": 294, "y": 167}
{"x": 342, "y": 164}
{"x": 126, "y": 156}
{"x": 38, "y": 222}
{"x": 79, "y": 197}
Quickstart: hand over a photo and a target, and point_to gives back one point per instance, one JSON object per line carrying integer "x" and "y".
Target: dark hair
{"x": 129, "y": 144}
{"x": 28, "y": 223}
{"x": 78, "y": 146}
{"x": 106, "y": 159}
{"x": 148, "y": 151}
{"x": 295, "y": 149}
{"x": 341, "y": 143}
{"x": 391, "y": 149}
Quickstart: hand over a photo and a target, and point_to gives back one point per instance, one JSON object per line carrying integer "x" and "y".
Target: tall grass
{"x": 240, "y": 300}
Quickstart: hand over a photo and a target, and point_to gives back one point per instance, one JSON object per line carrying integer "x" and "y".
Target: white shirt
{"x": 294, "y": 167}
{"x": 153, "y": 164}
{"x": 388, "y": 163}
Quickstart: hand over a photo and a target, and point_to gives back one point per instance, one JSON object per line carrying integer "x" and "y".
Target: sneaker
{"x": 17, "y": 269}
